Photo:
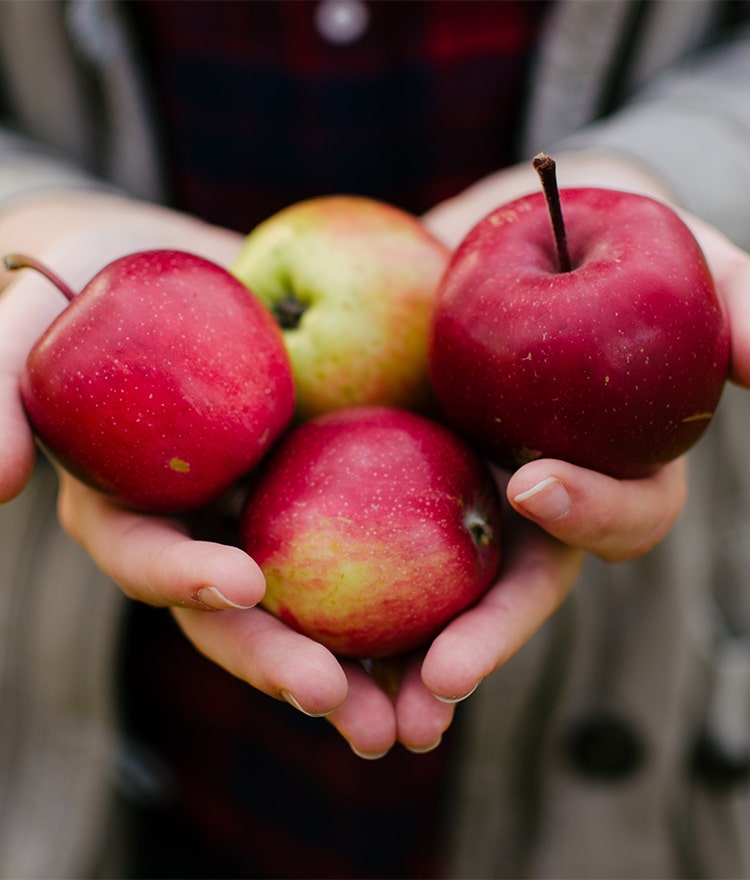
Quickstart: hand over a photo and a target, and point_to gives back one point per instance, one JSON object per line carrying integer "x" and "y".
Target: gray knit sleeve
{"x": 692, "y": 127}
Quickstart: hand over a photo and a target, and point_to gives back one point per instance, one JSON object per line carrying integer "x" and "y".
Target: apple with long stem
{"x": 582, "y": 325}
{"x": 161, "y": 383}
{"x": 373, "y": 527}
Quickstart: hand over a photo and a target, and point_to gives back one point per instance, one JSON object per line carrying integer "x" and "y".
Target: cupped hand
{"x": 624, "y": 519}
{"x": 536, "y": 576}
{"x": 616, "y": 520}
{"x": 408, "y": 700}
{"x": 577, "y": 508}
{"x": 155, "y": 560}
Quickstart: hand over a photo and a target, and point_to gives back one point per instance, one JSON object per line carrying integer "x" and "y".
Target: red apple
{"x": 615, "y": 362}
{"x": 374, "y": 527}
{"x": 351, "y": 281}
{"x": 161, "y": 383}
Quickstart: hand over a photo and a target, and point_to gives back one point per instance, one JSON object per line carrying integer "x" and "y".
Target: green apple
{"x": 351, "y": 281}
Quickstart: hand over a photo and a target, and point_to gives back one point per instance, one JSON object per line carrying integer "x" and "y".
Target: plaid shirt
{"x": 259, "y": 111}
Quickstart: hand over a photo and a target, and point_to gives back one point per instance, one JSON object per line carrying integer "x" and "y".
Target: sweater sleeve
{"x": 691, "y": 126}
{"x": 27, "y": 167}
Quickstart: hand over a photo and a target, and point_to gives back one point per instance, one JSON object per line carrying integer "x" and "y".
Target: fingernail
{"x": 214, "y": 598}
{"x": 548, "y": 500}
{"x": 368, "y": 756}
{"x": 424, "y": 750}
{"x": 292, "y": 700}
{"x": 456, "y": 699}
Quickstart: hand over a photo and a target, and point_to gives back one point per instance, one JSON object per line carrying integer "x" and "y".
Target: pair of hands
{"x": 556, "y": 511}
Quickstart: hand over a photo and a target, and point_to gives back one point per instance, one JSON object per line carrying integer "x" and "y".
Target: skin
{"x": 153, "y": 559}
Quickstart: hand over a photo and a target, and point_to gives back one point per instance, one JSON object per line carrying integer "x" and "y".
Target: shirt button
{"x": 341, "y": 22}
{"x": 605, "y": 748}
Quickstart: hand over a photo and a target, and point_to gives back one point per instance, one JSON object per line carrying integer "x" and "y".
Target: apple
{"x": 599, "y": 340}
{"x": 351, "y": 281}
{"x": 374, "y": 527}
{"x": 161, "y": 383}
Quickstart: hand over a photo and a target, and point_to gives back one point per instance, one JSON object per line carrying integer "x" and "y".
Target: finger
{"x": 730, "y": 268}
{"x": 536, "y": 577}
{"x": 615, "y": 519}
{"x": 366, "y": 718}
{"x": 17, "y": 449}
{"x": 422, "y": 718}
{"x": 261, "y": 650}
{"x": 152, "y": 559}
{"x": 27, "y": 307}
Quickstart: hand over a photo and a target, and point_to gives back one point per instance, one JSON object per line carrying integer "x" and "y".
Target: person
{"x": 609, "y": 736}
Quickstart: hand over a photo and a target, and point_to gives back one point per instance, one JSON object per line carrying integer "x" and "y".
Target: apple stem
{"x": 12, "y": 262}
{"x": 288, "y": 312}
{"x": 544, "y": 166}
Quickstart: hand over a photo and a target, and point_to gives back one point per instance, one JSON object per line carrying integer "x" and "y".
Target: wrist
{"x": 610, "y": 170}
{"x": 77, "y": 232}
{"x": 453, "y": 218}
{"x": 52, "y": 223}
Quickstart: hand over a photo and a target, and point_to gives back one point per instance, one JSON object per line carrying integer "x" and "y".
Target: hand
{"x": 154, "y": 560}
{"x": 409, "y": 700}
{"x": 76, "y": 234}
{"x": 616, "y": 520}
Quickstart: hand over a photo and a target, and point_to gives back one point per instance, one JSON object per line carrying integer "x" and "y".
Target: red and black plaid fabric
{"x": 259, "y": 111}
{"x": 256, "y": 789}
